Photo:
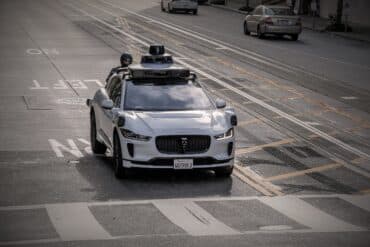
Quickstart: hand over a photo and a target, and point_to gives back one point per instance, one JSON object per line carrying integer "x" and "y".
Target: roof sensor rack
{"x": 156, "y": 50}
{"x": 156, "y": 55}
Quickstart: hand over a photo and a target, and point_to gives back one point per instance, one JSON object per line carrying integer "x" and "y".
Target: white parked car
{"x": 156, "y": 115}
{"x": 180, "y": 5}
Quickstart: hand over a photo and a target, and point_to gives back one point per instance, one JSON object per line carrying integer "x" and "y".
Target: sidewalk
{"x": 308, "y": 22}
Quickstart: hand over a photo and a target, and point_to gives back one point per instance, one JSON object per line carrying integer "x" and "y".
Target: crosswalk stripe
{"x": 75, "y": 222}
{"x": 361, "y": 201}
{"x": 192, "y": 218}
{"x": 307, "y": 215}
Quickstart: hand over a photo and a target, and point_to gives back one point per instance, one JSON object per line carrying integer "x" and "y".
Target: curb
{"x": 348, "y": 37}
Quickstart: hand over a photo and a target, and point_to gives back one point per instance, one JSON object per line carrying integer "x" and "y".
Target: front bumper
{"x": 144, "y": 154}
{"x": 167, "y": 163}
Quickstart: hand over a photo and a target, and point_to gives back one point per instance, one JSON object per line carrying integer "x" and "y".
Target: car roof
{"x": 276, "y": 6}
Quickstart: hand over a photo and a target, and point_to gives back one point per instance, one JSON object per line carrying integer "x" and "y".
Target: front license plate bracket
{"x": 182, "y": 164}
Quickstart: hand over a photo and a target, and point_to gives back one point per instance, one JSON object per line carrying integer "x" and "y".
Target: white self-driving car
{"x": 156, "y": 115}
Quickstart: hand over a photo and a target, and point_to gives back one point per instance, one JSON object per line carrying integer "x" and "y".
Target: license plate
{"x": 181, "y": 164}
{"x": 284, "y": 22}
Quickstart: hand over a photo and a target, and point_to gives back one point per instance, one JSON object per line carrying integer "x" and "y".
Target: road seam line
{"x": 254, "y": 179}
{"x": 251, "y": 183}
{"x": 260, "y": 147}
{"x": 303, "y": 172}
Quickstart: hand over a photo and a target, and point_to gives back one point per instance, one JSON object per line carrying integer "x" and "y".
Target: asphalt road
{"x": 303, "y": 140}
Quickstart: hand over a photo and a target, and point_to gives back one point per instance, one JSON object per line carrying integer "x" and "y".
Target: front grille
{"x": 193, "y": 144}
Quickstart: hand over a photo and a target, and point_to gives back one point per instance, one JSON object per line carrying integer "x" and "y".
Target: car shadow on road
{"x": 282, "y": 38}
{"x": 144, "y": 184}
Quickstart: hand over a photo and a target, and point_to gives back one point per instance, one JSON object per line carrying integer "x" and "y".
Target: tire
{"x": 259, "y": 34}
{"x": 169, "y": 9}
{"x": 294, "y": 37}
{"x": 195, "y": 12}
{"x": 119, "y": 170}
{"x": 246, "y": 31}
{"x": 162, "y": 8}
{"x": 96, "y": 146}
{"x": 224, "y": 172}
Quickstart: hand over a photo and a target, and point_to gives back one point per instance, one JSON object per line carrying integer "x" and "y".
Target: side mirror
{"x": 88, "y": 102}
{"x": 121, "y": 120}
{"x": 193, "y": 76}
{"x": 220, "y": 103}
{"x": 107, "y": 104}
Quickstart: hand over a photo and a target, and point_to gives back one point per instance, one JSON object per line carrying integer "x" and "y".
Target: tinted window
{"x": 279, "y": 11}
{"x": 165, "y": 96}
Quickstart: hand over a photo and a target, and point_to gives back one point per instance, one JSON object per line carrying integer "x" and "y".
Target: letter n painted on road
{"x": 59, "y": 148}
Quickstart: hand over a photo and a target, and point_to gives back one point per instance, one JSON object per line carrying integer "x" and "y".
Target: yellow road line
{"x": 303, "y": 172}
{"x": 252, "y": 184}
{"x": 256, "y": 181}
{"x": 358, "y": 160}
{"x": 257, "y": 148}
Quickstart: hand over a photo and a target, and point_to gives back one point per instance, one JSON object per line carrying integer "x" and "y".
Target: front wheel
{"x": 162, "y": 7}
{"x": 224, "y": 172}
{"x": 96, "y": 146}
{"x": 119, "y": 170}
{"x": 259, "y": 33}
{"x": 195, "y": 12}
{"x": 294, "y": 37}
{"x": 169, "y": 9}
{"x": 246, "y": 31}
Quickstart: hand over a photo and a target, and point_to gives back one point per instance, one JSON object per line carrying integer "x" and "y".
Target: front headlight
{"x": 133, "y": 136}
{"x": 226, "y": 135}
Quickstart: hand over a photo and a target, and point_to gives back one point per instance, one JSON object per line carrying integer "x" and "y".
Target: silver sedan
{"x": 279, "y": 20}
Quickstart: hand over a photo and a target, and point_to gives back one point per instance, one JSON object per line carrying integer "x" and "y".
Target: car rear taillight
{"x": 268, "y": 21}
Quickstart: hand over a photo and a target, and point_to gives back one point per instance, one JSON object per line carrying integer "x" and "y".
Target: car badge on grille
{"x": 184, "y": 144}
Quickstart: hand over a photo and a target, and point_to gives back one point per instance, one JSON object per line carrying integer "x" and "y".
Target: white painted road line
{"x": 361, "y": 201}
{"x": 244, "y": 94}
{"x": 29, "y": 242}
{"x": 349, "y": 97}
{"x": 75, "y": 222}
{"x": 192, "y": 218}
{"x": 307, "y": 215}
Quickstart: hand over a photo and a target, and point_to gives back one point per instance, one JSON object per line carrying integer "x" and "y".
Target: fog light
{"x": 130, "y": 149}
{"x": 230, "y": 148}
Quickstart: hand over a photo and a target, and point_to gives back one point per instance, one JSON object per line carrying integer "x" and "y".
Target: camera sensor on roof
{"x": 156, "y": 50}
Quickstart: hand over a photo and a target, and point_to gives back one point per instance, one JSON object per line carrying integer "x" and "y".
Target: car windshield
{"x": 279, "y": 11}
{"x": 165, "y": 95}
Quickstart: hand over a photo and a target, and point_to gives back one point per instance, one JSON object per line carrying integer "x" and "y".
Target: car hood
{"x": 178, "y": 122}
